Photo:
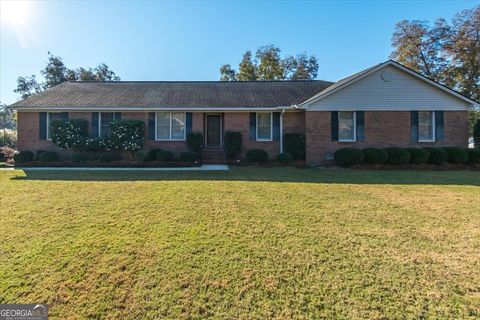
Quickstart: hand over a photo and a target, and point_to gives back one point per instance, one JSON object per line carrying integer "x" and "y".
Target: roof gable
{"x": 369, "y": 89}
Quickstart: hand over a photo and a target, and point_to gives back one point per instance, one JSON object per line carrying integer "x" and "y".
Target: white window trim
{"x": 271, "y": 126}
{"x": 433, "y": 128}
{"x": 170, "y": 132}
{"x": 100, "y": 122}
{"x": 354, "y": 128}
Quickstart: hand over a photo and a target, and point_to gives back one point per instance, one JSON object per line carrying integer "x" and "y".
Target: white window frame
{"x": 170, "y": 131}
{"x": 100, "y": 122}
{"x": 433, "y": 127}
{"x": 271, "y": 126}
{"x": 48, "y": 125}
{"x": 354, "y": 128}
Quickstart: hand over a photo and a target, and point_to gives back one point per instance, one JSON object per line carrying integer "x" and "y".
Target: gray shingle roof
{"x": 208, "y": 94}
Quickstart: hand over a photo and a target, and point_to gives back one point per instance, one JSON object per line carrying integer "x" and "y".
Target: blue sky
{"x": 153, "y": 40}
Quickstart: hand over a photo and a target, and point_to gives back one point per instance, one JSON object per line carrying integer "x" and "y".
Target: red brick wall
{"x": 382, "y": 129}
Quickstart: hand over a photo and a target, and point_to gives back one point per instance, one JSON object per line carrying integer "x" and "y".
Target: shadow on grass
{"x": 258, "y": 174}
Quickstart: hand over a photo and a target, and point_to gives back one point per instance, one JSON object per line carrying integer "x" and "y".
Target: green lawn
{"x": 251, "y": 243}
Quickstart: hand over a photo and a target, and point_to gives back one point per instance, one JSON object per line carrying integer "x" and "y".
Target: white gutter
{"x": 281, "y": 130}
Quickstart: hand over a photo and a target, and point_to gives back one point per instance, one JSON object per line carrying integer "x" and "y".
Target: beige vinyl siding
{"x": 402, "y": 92}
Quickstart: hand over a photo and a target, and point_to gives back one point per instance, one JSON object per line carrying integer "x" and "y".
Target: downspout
{"x": 281, "y": 130}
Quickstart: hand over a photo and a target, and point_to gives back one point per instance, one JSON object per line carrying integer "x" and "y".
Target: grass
{"x": 251, "y": 243}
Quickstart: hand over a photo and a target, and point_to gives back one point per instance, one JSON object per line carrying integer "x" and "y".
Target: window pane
{"x": 346, "y": 125}
{"x": 425, "y": 125}
{"x": 178, "y": 125}
{"x": 106, "y": 118}
{"x": 163, "y": 133}
{"x": 263, "y": 119}
{"x": 263, "y": 133}
{"x": 163, "y": 119}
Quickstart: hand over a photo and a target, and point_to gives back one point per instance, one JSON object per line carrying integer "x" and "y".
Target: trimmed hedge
{"x": 473, "y": 156}
{"x": 285, "y": 158}
{"x": 105, "y": 157}
{"x": 375, "y": 156}
{"x": 188, "y": 156}
{"x": 152, "y": 154}
{"x": 233, "y": 144}
{"x": 436, "y": 155}
{"x": 140, "y": 155}
{"x": 295, "y": 145}
{"x": 456, "y": 155}
{"x": 79, "y": 157}
{"x": 418, "y": 156}
{"x": 398, "y": 156}
{"x": 348, "y": 156}
{"x": 257, "y": 156}
{"x": 164, "y": 156}
{"x": 195, "y": 142}
{"x": 23, "y": 156}
{"x": 48, "y": 156}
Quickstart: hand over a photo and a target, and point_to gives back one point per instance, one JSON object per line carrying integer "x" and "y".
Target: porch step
{"x": 213, "y": 156}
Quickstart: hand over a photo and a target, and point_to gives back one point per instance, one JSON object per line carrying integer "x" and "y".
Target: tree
{"x": 269, "y": 65}
{"x": 26, "y": 86}
{"x": 247, "y": 69}
{"x": 447, "y": 53}
{"x": 227, "y": 73}
{"x": 55, "y": 73}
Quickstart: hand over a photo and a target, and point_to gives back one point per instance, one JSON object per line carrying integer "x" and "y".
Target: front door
{"x": 213, "y": 130}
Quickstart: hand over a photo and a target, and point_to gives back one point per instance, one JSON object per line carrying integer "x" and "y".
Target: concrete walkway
{"x": 205, "y": 167}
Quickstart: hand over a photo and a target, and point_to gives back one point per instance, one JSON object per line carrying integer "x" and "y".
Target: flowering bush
{"x": 127, "y": 135}
{"x": 69, "y": 134}
{"x": 98, "y": 144}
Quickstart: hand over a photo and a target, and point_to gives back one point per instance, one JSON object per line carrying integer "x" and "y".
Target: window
{"x": 346, "y": 126}
{"x": 264, "y": 126}
{"x": 104, "y": 123}
{"x": 52, "y": 116}
{"x": 426, "y": 128}
{"x": 170, "y": 126}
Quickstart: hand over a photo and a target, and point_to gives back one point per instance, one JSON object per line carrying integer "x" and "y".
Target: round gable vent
{"x": 387, "y": 76}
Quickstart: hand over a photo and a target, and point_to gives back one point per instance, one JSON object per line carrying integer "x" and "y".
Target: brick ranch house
{"x": 385, "y": 105}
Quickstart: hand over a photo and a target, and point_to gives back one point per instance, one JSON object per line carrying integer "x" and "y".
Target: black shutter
{"x": 151, "y": 126}
{"x": 414, "y": 126}
{"x": 276, "y": 125}
{"x": 64, "y": 115}
{"x": 253, "y": 126}
{"x": 118, "y": 115}
{"x": 334, "y": 125}
{"x": 188, "y": 122}
{"x": 42, "y": 126}
{"x": 94, "y": 132}
{"x": 439, "y": 131}
{"x": 360, "y": 116}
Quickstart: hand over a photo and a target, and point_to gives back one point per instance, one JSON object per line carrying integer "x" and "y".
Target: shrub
{"x": 233, "y": 144}
{"x": 48, "y": 156}
{"x": 140, "y": 155}
{"x": 398, "y": 156}
{"x": 152, "y": 154}
{"x": 127, "y": 135}
{"x": 474, "y": 156}
{"x": 348, "y": 156}
{"x": 195, "y": 142}
{"x": 69, "y": 134}
{"x": 295, "y": 145}
{"x": 436, "y": 155}
{"x": 476, "y": 134}
{"x": 257, "y": 156}
{"x": 456, "y": 155}
{"x": 164, "y": 156}
{"x": 79, "y": 157}
{"x": 105, "y": 157}
{"x": 8, "y": 138}
{"x": 285, "y": 158}
{"x": 188, "y": 156}
{"x": 418, "y": 156}
{"x": 6, "y": 153}
{"x": 375, "y": 156}
{"x": 23, "y": 156}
